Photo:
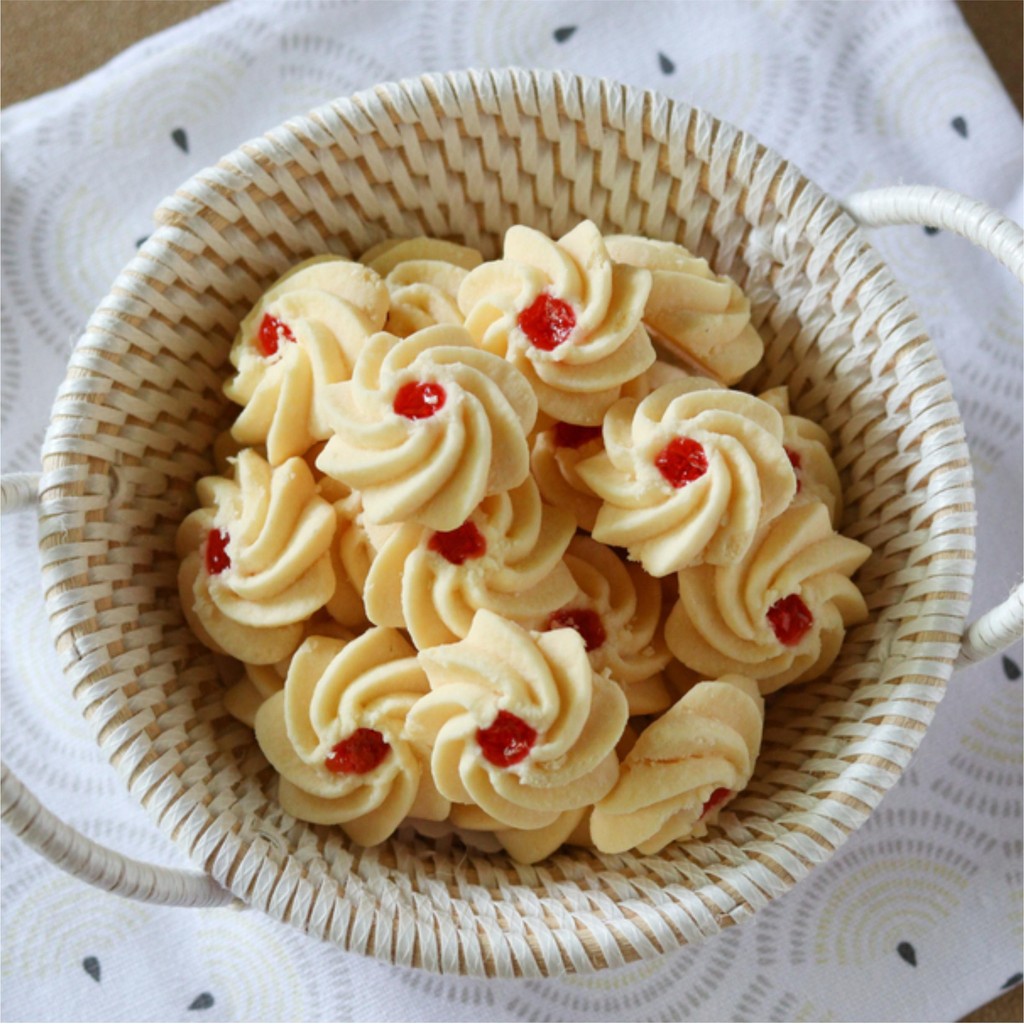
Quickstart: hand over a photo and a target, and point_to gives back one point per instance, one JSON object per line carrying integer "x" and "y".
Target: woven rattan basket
{"x": 465, "y": 156}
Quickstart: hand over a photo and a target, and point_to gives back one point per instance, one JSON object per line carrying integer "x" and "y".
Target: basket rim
{"x": 66, "y": 480}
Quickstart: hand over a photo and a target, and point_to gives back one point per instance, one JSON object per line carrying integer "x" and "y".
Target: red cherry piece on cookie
{"x": 682, "y": 461}
{"x": 796, "y": 462}
{"x": 569, "y": 435}
{"x": 547, "y": 322}
{"x": 790, "y": 619}
{"x": 217, "y": 558}
{"x": 507, "y": 740}
{"x": 459, "y": 545}
{"x": 271, "y": 333}
{"x": 716, "y": 799}
{"x": 585, "y": 621}
{"x": 357, "y": 754}
{"x": 419, "y": 400}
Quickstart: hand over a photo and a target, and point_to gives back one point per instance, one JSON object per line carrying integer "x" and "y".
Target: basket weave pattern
{"x": 467, "y": 156}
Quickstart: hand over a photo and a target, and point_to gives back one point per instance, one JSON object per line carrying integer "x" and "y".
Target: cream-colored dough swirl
{"x": 683, "y": 768}
{"x": 565, "y": 315}
{"x": 428, "y": 426}
{"x": 701, "y": 316}
{"x": 519, "y": 723}
{"x": 617, "y": 611}
{"x": 506, "y": 558}
{"x": 423, "y": 276}
{"x": 688, "y": 475}
{"x": 780, "y": 614}
{"x": 256, "y": 559}
{"x": 305, "y": 333}
{"x": 336, "y": 734}
{"x": 810, "y": 451}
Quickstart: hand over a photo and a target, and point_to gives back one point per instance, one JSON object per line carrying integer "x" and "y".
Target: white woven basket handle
{"x": 64, "y": 846}
{"x": 1001, "y": 237}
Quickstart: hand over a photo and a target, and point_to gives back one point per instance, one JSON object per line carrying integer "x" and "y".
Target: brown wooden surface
{"x": 48, "y": 43}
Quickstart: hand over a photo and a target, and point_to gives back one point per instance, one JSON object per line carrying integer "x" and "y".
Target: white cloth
{"x": 918, "y": 917}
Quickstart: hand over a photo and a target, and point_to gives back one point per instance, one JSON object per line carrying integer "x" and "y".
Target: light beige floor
{"x": 34, "y": 59}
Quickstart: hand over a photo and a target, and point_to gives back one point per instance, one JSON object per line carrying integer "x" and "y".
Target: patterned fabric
{"x": 918, "y": 916}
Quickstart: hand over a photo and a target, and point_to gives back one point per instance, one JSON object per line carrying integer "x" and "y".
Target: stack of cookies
{"x": 500, "y": 549}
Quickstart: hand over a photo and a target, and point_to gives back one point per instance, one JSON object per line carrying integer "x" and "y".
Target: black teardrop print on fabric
{"x": 1011, "y": 668}
{"x": 564, "y": 33}
{"x": 180, "y": 139}
{"x": 931, "y": 231}
{"x": 906, "y": 951}
{"x": 203, "y": 1001}
{"x": 1013, "y": 980}
{"x": 92, "y": 967}
{"x": 959, "y": 126}
{"x": 667, "y": 67}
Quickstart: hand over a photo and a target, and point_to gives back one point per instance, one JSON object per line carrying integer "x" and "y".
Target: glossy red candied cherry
{"x": 271, "y": 333}
{"x": 459, "y": 545}
{"x": 682, "y": 461}
{"x": 796, "y": 462}
{"x": 585, "y": 621}
{"x": 217, "y": 558}
{"x": 790, "y": 619}
{"x": 419, "y": 400}
{"x": 547, "y": 322}
{"x": 569, "y": 435}
{"x": 507, "y": 740}
{"x": 358, "y": 753}
{"x": 715, "y": 800}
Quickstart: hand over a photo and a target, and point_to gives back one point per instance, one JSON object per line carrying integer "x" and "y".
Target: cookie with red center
{"x": 506, "y": 557}
{"x": 305, "y": 333}
{"x": 617, "y": 610}
{"x": 780, "y": 614}
{"x": 519, "y": 724}
{"x": 336, "y": 735}
{"x": 555, "y": 453}
{"x": 683, "y": 768}
{"x": 427, "y": 427}
{"x": 688, "y": 475}
{"x": 565, "y": 315}
{"x": 256, "y": 560}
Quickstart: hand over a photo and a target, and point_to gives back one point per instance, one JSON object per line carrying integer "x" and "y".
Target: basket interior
{"x": 465, "y": 156}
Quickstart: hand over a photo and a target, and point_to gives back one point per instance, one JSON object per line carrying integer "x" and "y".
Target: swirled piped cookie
{"x": 778, "y": 615}
{"x": 565, "y": 315}
{"x": 337, "y": 736}
{"x": 507, "y": 557}
{"x": 809, "y": 449}
{"x": 256, "y": 560}
{"x": 701, "y": 316}
{"x": 617, "y": 611}
{"x": 683, "y": 769}
{"x": 305, "y": 333}
{"x": 423, "y": 276}
{"x": 519, "y": 723}
{"x": 688, "y": 475}
{"x": 428, "y": 426}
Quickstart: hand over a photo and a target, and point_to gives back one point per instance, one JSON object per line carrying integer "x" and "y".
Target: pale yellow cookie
{"x": 519, "y": 723}
{"x": 565, "y": 315}
{"x": 336, "y": 734}
{"x": 778, "y": 615}
{"x": 700, "y": 316}
{"x": 683, "y": 768}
